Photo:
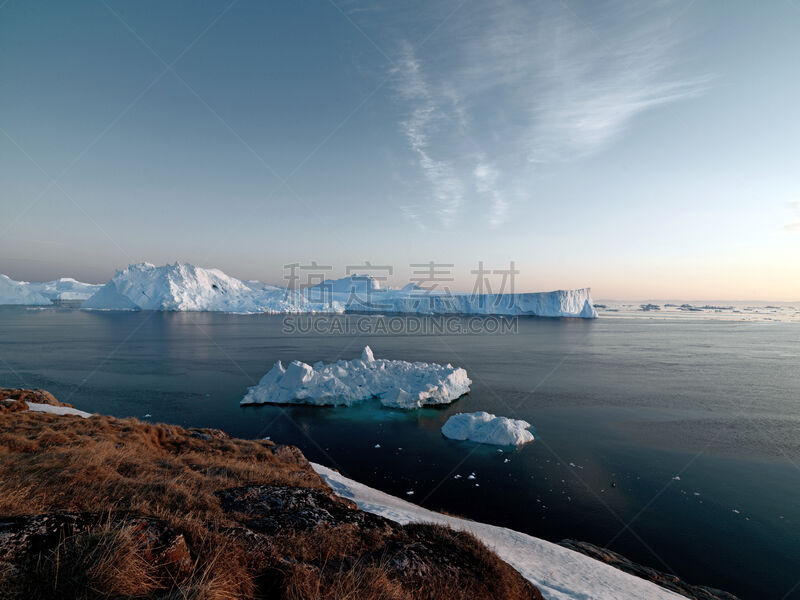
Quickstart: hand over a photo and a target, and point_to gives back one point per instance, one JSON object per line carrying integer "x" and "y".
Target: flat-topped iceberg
{"x": 396, "y": 383}
{"x": 486, "y": 428}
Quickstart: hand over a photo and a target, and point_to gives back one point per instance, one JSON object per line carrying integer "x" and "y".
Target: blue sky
{"x": 645, "y": 150}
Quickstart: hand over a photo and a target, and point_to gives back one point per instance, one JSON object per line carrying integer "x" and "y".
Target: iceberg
{"x": 352, "y": 285}
{"x": 184, "y": 287}
{"x": 65, "y": 289}
{"x": 20, "y": 292}
{"x": 396, "y": 383}
{"x": 561, "y": 303}
{"x": 486, "y": 428}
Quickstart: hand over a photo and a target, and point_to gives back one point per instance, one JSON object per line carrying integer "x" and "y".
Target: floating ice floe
{"x": 396, "y": 383}
{"x": 485, "y": 428}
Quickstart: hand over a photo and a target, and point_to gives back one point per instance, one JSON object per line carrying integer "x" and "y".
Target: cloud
{"x": 412, "y": 213}
{"x": 529, "y": 85}
{"x": 486, "y": 180}
{"x": 426, "y": 111}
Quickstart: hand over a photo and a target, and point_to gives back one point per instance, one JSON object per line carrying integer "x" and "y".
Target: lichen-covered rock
{"x": 273, "y": 508}
{"x": 23, "y": 539}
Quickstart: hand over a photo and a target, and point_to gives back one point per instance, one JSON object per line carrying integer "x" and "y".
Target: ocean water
{"x": 674, "y": 442}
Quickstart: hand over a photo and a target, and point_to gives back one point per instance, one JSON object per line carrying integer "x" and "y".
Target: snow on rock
{"x": 397, "y": 383}
{"x": 57, "y": 410}
{"x": 560, "y": 573}
{"x": 485, "y": 428}
{"x": 20, "y": 292}
{"x": 65, "y": 288}
{"x": 184, "y": 287}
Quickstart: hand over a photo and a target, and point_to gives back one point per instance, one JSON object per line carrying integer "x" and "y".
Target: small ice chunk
{"x": 377, "y": 446}
{"x": 486, "y": 428}
{"x": 410, "y": 493}
{"x": 471, "y": 477}
{"x": 366, "y": 354}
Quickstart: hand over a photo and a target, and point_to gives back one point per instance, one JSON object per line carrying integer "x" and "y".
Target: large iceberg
{"x": 19, "y": 292}
{"x": 396, "y": 383}
{"x": 486, "y": 428}
{"x": 184, "y": 287}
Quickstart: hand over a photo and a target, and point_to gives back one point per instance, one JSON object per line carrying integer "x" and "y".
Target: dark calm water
{"x": 630, "y": 403}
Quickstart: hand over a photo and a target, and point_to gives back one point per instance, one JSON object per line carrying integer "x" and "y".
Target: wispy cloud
{"x": 508, "y": 88}
{"x": 425, "y": 113}
{"x": 413, "y": 214}
{"x": 486, "y": 180}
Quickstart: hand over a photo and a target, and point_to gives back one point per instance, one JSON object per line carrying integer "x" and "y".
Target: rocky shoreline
{"x": 665, "y": 580}
{"x": 161, "y": 498}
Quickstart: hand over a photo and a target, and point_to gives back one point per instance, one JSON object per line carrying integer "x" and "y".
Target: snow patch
{"x": 397, "y": 383}
{"x": 559, "y": 573}
{"x": 486, "y": 428}
{"x": 57, "y": 410}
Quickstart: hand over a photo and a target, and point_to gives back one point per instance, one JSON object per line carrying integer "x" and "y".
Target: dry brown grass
{"x": 104, "y": 465}
{"x": 82, "y": 464}
{"x": 107, "y": 561}
{"x": 66, "y": 463}
{"x": 358, "y": 582}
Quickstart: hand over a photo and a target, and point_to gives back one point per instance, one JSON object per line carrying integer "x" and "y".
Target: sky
{"x": 646, "y": 150}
